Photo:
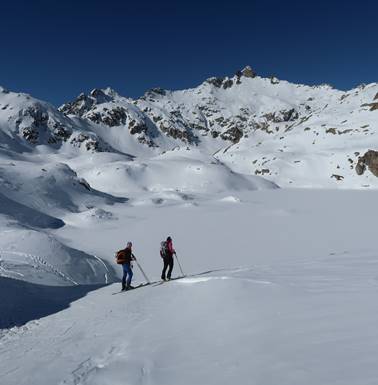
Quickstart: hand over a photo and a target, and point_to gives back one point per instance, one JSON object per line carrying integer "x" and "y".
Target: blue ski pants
{"x": 127, "y": 274}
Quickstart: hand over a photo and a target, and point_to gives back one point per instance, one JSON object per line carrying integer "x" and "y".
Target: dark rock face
{"x": 30, "y": 134}
{"x": 100, "y": 96}
{"x": 137, "y": 127}
{"x": 157, "y": 91}
{"x": 84, "y": 183}
{"x": 374, "y": 105}
{"x": 117, "y": 116}
{"x": 248, "y": 72}
{"x": 79, "y": 107}
{"x": 274, "y": 80}
{"x": 234, "y": 134}
{"x": 337, "y": 177}
{"x": 369, "y": 160}
{"x": 360, "y": 168}
{"x": 61, "y": 132}
{"x": 289, "y": 115}
{"x": 331, "y": 130}
{"x": 282, "y": 116}
{"x": 153, "y": 94}
{"x": 228, "y": 83}
{"x": 36, "y": 112}
{"x": 175, "y": 133}
{"x": 90, "y": 142}
{"x": 37, "y": 126}
{"x": 217, "y": 82}
{"x": 84, "y": 103}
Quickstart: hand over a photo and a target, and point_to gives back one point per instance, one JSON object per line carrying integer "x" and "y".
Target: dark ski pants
{"x": 168, "y": 262}
{"x": 127, "y": 274}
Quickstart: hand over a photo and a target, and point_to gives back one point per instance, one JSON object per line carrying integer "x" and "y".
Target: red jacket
{"x": 170, "y": 248}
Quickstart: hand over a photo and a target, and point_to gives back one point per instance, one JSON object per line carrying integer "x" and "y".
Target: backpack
{"x": 121, "y": 257}
{"x": 164, "y": 249}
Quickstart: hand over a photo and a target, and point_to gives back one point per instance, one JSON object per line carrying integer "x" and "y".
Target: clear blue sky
{"x": 56, "y": 49}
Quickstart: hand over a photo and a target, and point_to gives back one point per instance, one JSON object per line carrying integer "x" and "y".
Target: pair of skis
{"x": 145, "y": 276}
{"x": 156, "y": 283}
{"x": 153, "y": 284}
{"x": 168, "y": 280}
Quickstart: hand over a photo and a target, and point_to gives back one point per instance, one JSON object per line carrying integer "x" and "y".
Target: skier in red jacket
{"x": 166, "y": 253}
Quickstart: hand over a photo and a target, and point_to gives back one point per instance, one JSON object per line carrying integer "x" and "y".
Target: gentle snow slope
{"x": 288, "y": 301}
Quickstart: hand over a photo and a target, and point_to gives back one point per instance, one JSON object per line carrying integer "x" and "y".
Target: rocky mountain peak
{"x": 103, "y": 95}
{"x": 248, "y": 72}
{"x": 84, "y": 103}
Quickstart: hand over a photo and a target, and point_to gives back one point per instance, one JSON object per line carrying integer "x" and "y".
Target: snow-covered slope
{"x": 288, "y": 300}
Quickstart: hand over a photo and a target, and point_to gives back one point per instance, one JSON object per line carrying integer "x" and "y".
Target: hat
{"x": 169, "y": 239}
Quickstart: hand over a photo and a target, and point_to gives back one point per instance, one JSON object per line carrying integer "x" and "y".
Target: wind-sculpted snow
{"x": 50, "y": 187}
{"x": 179, "y": 171}
{"x": 27, "y": 216}
{"x": 37, "y": 257}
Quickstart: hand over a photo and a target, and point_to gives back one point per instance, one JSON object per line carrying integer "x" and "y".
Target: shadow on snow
{"x": 22, "y": 301}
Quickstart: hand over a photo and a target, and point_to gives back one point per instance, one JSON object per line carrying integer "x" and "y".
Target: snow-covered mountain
{"x": 291, "y": 134}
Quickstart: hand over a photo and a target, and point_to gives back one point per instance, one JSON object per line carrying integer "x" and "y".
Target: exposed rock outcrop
{"x": 116, "y": 116}
{"x": 84, "y": 103}
{"x": 90, "y": 142}
{"x": 368, "y": 160}
{"x": 234, "y": 134}
{"x": 36, "y": 126}
{"x": 248, "y": 72}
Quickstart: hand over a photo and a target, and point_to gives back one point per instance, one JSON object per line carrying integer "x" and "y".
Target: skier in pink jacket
{"x": 167, "y": 253}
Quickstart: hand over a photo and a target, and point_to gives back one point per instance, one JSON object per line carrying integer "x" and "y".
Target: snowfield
{"x": 280, "y": 288}
{"x": 269, "y": 194}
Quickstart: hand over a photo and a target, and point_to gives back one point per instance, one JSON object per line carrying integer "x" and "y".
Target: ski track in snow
{"x": 106, "y": 268}
{"x": 39, "y": 262}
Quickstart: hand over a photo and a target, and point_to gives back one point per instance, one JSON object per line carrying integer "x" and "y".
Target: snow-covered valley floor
{"x": 281, "y": 289}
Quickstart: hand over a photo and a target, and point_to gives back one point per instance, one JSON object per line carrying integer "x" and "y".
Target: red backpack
{"x": 121, "y": 257}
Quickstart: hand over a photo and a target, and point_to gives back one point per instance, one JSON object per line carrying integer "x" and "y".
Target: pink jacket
{"x": 170, "y": 247}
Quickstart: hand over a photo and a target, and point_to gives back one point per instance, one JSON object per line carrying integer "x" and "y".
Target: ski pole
{"x": 182, "y": 273}
{"x": 144, "y": 274}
